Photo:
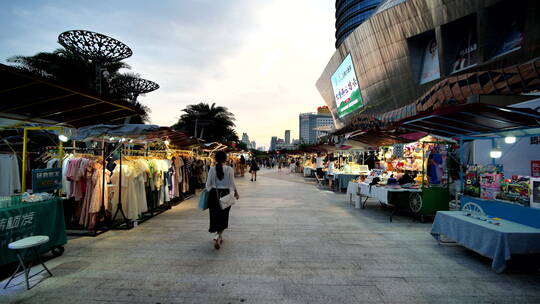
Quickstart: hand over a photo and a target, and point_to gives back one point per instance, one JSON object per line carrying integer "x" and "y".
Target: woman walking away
{"x": 219, "y": 183}
{"x": 254, "y": 167}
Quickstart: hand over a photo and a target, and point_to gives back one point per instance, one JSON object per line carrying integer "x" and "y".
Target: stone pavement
{"x": 288, "y": 242}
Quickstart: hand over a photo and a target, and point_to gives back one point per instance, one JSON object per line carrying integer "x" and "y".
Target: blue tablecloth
{"x": 493, "y": 241}
{"x": 343, "y": 179}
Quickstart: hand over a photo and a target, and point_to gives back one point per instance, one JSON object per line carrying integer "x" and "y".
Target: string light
{"x": 63, "y": 138}
{"x": 495, "y": 153}
{"x": 510, "y": 139}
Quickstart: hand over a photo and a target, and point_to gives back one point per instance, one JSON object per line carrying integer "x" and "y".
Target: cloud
{"x": 259, "y": 58}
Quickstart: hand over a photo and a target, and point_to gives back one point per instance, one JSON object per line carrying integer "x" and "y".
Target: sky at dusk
{"x": 258, "y": 58}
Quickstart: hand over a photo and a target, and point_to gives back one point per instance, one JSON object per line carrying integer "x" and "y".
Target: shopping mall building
{"x": 413, "y": 56}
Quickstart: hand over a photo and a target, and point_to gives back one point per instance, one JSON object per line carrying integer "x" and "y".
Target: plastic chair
{"x": 22, "y": 248}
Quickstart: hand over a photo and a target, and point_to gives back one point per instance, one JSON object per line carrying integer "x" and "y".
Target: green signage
{"x": 346, "y": 89}
{"x": 28, "y": 219}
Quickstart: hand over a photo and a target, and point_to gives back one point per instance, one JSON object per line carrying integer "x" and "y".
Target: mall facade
{"x": 408, "y": 51}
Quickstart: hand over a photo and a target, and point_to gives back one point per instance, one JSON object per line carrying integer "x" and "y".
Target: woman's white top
{"x": 319, "y": 162}
{"x": 331, "y": 168}
{"x": 226, "y": 183}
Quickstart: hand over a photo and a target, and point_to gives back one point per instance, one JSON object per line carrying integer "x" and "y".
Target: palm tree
{"x": 69, "y": 68}
{"x": 211, "y": 123}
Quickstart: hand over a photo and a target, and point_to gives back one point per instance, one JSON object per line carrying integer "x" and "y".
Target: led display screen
{"x": 346, "y": 89}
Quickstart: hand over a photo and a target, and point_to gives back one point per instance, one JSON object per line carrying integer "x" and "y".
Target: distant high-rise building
{"x": 245, "y": 139}
{"x": 253, "y": 145}
{"x": 310, "y": 121}
{"x": 288, "y": 137}
{"x": 273, "y": 143}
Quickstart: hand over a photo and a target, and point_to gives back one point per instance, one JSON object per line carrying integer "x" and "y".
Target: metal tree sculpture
{"x": 134, "y": 86}
{"x": 94, "y": 46}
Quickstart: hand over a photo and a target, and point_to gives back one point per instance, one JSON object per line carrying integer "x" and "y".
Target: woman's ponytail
{"x": 219, "y": 171}
{"x": 221, "y": 157}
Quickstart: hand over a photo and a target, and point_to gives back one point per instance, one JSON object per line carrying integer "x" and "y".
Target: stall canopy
{"x": 176, "y": 138}
{"x": 483, "y": 115}
{"x": 124, "y": 130}
{"x": 31, "y": 98}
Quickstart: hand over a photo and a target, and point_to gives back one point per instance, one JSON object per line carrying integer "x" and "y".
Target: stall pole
{"x": 424, "y": 165}
{"x": 461, "y": 174}
{"x": 60, "y": 149}
{"x": 23, "y": 176}
{"x": 102, "y": 209}
{"x": 493, "y": 146}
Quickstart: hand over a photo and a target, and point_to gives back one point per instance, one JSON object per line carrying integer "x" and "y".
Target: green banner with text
{"x": 28, "y": 219}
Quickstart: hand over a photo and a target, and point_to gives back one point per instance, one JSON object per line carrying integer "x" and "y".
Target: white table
{"x": 381, "y": 193}
{"x": 352, "y": 189}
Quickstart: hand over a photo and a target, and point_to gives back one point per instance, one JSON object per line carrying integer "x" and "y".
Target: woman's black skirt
{"x": 219, "y": 219}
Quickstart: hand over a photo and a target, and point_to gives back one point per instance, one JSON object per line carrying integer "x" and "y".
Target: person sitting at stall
{"x": 392, "y": 180}
{"x": 406, "y": 178}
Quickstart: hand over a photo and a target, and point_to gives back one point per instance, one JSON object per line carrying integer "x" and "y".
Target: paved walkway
{"x": 288, "y": 242}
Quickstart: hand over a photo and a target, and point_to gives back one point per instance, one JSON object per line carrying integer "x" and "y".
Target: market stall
{"x": 31, "y": 203}
{"x": 412, "y": 177}
{"x": 498, "y": 218}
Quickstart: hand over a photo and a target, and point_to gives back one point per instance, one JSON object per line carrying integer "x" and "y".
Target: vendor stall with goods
{"x": 411, "y": 177}
{"x": 497, "y": 216}
{"x": 347, "y": 166}
{"x": 30, "y": 201}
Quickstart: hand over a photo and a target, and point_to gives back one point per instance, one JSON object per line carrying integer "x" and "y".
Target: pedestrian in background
{"x": 220, "y": 182}
{"x": 242, "y": 165}
{"x": 253, "y": 168}
{"x": 330, "y": 172}
{"x": 319, "y": 165}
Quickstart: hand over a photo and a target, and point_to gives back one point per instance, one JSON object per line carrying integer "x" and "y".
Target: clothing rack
{"x": 152, "y": 153}
{"x": 153, "y": 212}
{"x": 77, "y": 231}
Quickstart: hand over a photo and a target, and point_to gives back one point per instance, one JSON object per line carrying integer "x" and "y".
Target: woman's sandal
{"x": 216, "y": 243}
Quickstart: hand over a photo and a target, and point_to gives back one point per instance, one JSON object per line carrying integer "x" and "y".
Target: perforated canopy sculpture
{"x": 95, "y": 46}
{"x": 133, "y": 85}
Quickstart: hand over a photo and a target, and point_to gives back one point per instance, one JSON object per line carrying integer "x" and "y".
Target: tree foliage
{"x": 214, "y": 123}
